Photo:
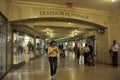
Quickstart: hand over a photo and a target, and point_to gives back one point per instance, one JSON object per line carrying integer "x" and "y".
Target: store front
{"x": 23, "y": 47}
{"x": 71, "y": 45}
{"x": 3, "y": 34}
{"x": 40, "y": 46}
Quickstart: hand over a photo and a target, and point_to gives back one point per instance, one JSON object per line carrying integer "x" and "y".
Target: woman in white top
{"x": 53, "y": 52}
{"x": 86, "y": 53}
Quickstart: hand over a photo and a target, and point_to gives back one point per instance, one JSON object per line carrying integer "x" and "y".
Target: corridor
{"x": 68, "y": 69}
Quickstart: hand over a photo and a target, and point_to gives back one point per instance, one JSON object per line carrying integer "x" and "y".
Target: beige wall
{"x": 115, "y": 29}
{"x": 4, "y": 7}
{"x": 102, "y": 45}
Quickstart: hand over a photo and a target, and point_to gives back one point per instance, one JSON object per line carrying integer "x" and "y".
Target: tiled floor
{"x": 68, "y": 69}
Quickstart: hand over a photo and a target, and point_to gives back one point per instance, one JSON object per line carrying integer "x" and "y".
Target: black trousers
{"x": 93, "y": 62}
{"x": 53, "y": 65}
{"x": 46, "y": 50}
{"x": 85, "y": 58}
{"x": 78, "y": 55}
{"x": 115, "y": 59}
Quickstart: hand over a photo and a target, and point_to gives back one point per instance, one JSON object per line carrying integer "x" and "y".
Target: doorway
{"x": 92, "y": 41}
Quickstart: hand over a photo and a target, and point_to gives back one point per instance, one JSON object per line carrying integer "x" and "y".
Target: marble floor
{"x": 68, "y": 69}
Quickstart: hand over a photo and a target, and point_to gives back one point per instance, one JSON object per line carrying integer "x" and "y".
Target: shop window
{"x": 3, "y": 27}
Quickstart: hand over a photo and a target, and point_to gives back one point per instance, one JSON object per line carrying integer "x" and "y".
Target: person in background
{"x": 76, "y": 50}
{"x": 29, "y": 45}
{"x": 46, "y": 47}
{"x": 86, "y": 53}
{"x": 114, "y": 49}
{"x": 91, "y": 52}
{"x": 90, "y": 60}
{"x": 79, "y": 51}
{"x": 53, "y": 52}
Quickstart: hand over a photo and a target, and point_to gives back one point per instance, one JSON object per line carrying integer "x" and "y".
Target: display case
{"x": 40, "y": 44}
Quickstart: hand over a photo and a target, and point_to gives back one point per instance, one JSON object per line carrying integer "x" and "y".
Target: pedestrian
{"x": 90, "y": 60}
{"x": 53, "y": 52}
{"x": 91, "y": 52}
{"x": 79, "y": 51}
{"x": 76, "y": 51}
{"x": 114, "y": 49}
{"x": 86, "y": 53}
{"x": 46, "y": 47}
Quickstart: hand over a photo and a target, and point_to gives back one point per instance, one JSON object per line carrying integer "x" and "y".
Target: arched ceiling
{"x": 104, "y": 5}
{"x": 56, "y": 29}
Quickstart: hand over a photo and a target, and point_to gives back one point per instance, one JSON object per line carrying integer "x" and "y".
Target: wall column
{"x": 34, "y": 54}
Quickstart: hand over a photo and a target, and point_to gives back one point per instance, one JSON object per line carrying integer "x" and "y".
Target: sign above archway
{"x": 62, "y": 13}
{"x": 22, "y": 11}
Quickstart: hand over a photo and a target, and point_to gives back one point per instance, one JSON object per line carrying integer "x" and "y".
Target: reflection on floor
{"x": 68, "y": 69}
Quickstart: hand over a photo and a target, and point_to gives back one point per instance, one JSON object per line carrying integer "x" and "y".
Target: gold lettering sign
{"x": 63, "y": 14}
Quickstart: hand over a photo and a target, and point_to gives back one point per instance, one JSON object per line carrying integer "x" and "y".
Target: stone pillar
{"x": 9, "y": 47}
{"x": 34, "y": 54}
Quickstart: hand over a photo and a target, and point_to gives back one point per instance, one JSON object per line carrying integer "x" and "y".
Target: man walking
{"x": 114, "y": 48}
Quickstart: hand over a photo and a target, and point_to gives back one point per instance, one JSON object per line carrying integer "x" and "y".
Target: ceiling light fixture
{"x": 69, "y": 23}
{"x": 49, "y": 32}
{"x": 113, "y": 0}
{"x": 75, "y": 32}
{"x": 51, "y": 35}
{"x": 72, "y": 35}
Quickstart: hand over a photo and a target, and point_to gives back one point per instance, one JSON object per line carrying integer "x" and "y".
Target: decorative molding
{"x": 45, "y": 5}
{"x": 39, "y": 10}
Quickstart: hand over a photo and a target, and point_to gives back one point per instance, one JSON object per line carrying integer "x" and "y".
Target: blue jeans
{"x": 53, "y": 65}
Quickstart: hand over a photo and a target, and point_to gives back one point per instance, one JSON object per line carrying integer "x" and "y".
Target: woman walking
{"x": 53, "y": 52}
